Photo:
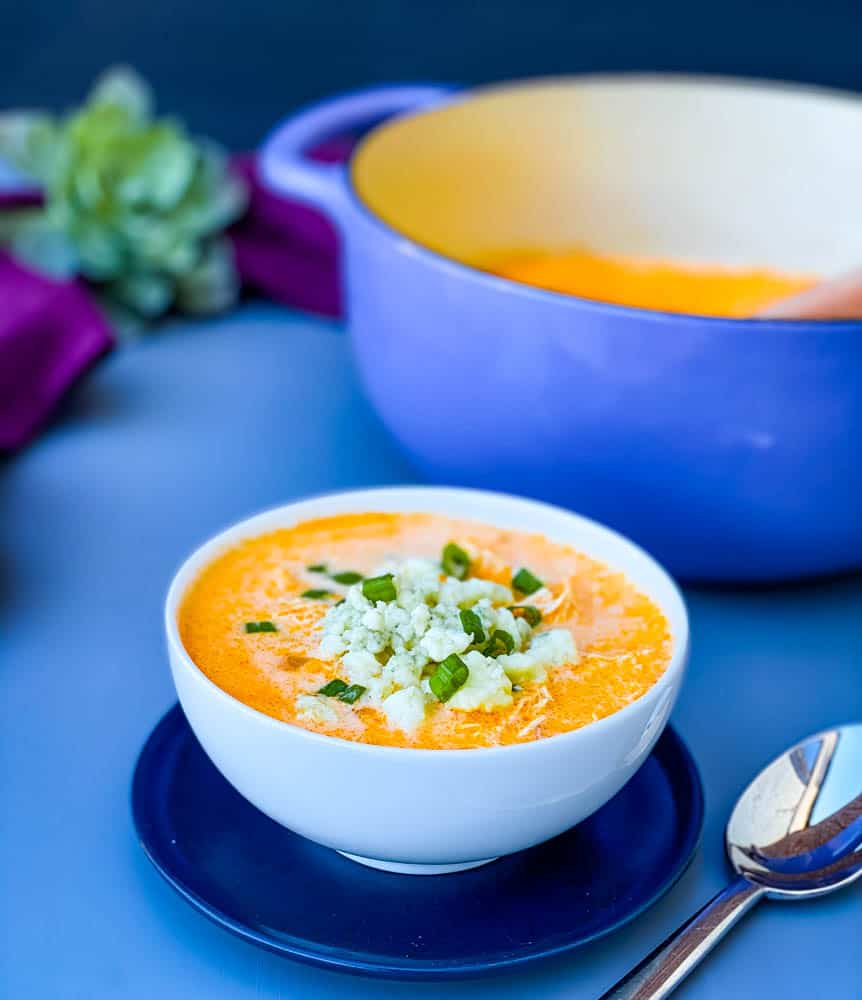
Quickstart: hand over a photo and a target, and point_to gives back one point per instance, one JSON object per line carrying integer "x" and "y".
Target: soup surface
{"x": 645, "y": 283}
{"x": 289, "y": 586}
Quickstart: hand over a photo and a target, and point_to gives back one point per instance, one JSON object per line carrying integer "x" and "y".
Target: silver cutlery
{"x": 795, "y": 833}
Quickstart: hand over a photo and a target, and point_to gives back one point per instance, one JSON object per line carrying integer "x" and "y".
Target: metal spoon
{"x": 795, "y": 832}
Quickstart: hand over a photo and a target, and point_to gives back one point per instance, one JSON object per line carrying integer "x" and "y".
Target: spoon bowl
{"x": 795, "y": 833}
{"x": 797, "y": 829}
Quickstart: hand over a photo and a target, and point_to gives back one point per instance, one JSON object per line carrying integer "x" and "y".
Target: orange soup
{"x": 645, "y": 283}
{"x": 419, "y": 630}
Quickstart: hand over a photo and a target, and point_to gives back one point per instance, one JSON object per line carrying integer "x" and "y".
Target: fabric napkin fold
{"x": 51, "y": 332}
{"x": 284, "y": 249}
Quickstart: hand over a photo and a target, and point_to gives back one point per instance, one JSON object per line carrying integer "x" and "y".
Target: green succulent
{"x": 131, "y": 202}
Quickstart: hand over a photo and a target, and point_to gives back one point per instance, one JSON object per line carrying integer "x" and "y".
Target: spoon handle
{"x": 665, "y": 968}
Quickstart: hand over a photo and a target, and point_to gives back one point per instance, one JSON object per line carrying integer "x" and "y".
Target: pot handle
{"x": 283, "y": 164}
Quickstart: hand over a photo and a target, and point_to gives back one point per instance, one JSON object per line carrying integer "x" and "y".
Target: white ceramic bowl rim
{"x": 205, "y": 553}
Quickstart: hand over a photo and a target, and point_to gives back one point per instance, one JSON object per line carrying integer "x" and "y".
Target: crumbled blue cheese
{"x": 391, "y": 648}
{"x": 405, "y": 709}
{"x": 548, "y": 649}
{"x": 316, "y": 708}
{"x": 488, "y": 687}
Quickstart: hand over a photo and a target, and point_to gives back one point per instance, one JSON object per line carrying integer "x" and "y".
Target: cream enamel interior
{"x": 694, "y": 169}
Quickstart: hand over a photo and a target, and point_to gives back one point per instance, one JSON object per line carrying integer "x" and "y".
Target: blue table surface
{"x": 168, "y": 441}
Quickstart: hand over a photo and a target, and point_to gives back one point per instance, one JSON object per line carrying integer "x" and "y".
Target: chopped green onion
{"x": 333, "y": 688}
{"x": 260, "y": 627}
{"x": 501, "y": 642}
{"x": 317, "y": 595}
{"x": 531, "y": 615}
{"x": 525, "y": 582}
{"x": 347, "y": 577}
{"x": 450, "y": 675}
{"x": 472, "y": 625}
{"x": 317, "y": 568}
{"x": 337, "y": 688}
{"x": 338, "y": 603}
{"x": 455, "y": 561}
{"x": 379, "y": 588}
{"x": 352, "y": 694}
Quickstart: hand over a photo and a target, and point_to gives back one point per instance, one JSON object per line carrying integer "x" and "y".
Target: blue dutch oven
{"x": 729, "y": 448}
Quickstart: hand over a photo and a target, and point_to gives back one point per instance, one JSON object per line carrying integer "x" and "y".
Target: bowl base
{"x": 404, "y": 869}
{"x": 279, "y": 891}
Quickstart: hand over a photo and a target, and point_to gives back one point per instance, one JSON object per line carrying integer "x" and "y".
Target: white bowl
{"x": 429, "y": 811}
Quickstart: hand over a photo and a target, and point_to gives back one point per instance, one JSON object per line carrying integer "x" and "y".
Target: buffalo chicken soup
{"x": 418, "y": 630}
{"x": 645, "y": 283}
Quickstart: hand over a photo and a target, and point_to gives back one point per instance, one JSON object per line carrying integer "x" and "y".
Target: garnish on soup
{"x": 260, "y": 627}
{"x": 525, "y": 583}
{"x": 527, "y": 611}
{"x": 419, "y": 630}
{"x": 430, "y": 643}
{"x": 455, "y": 561}
{"x": 379, "y": 588}
{"x": 450, "y": 675}
{"x": 334, "y": 688}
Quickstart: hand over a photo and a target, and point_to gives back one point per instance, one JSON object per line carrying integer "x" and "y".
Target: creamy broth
{"x": 645, "y": 283}
{"x": 623, "y": 639}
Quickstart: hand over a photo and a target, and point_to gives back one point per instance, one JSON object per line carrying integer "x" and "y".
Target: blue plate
{"x": 278, "y": 890}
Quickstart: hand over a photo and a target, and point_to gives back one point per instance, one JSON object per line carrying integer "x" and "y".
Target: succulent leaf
{"x": 132, "y": 202}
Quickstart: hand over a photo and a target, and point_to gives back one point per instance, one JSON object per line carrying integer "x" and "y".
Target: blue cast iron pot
{"x": 729, "y": 448}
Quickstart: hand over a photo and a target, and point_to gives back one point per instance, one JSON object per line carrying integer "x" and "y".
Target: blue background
{"x": 169, "y": 441}
{"x": 233, "y": 67}
{"x": 206, "y": 423}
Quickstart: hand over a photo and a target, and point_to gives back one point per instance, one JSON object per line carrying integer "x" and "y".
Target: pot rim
{"x": 462, "y": 270}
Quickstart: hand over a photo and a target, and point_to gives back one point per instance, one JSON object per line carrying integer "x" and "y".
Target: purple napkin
{"x": 286, "y": 250}
{"x": 51, "y": 332}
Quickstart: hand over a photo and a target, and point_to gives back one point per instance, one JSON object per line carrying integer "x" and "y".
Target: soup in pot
{"x": 646, "y": 283}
